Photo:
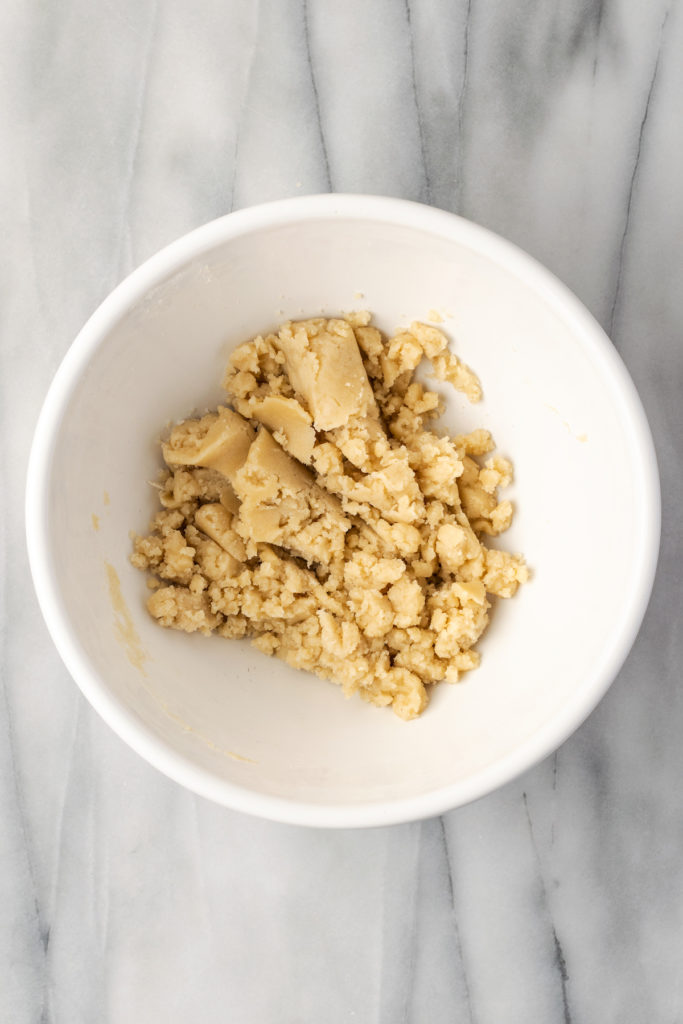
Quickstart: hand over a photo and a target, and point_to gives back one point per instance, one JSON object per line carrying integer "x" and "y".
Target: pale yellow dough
{"x": 321, "y": 516}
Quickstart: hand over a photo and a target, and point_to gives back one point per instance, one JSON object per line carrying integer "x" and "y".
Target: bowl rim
{"x": 174, "y": 257}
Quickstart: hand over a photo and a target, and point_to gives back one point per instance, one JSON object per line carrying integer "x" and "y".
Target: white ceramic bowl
{"x": 245, "y": 730}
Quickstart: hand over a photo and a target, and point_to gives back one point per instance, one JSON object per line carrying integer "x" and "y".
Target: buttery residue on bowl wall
{"x": 123, "y": 622}
{"x": 582, "y": 438}
{"x": 136, "y": 654}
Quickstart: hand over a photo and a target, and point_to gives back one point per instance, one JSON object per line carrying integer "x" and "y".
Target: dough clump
{"x": 325, "y": 517}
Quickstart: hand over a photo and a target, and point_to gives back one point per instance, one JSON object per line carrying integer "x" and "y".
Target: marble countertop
{"x": 126, "y": 899}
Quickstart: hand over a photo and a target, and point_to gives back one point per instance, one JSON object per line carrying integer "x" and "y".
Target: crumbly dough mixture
{"x": 322, "y": 517}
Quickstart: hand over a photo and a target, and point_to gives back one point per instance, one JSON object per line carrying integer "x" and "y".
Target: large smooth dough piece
{"x": 325, "y": 368}
{"x": 219, "y": 441}
{"x": 286, "y": 418}
{"x": 281, "y": 504}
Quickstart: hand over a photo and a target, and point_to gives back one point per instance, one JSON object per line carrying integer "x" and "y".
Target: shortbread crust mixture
{"x": 322, "y": 517}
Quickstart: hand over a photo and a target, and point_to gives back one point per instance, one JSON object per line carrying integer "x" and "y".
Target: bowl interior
{"x": 556, "y": 403}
